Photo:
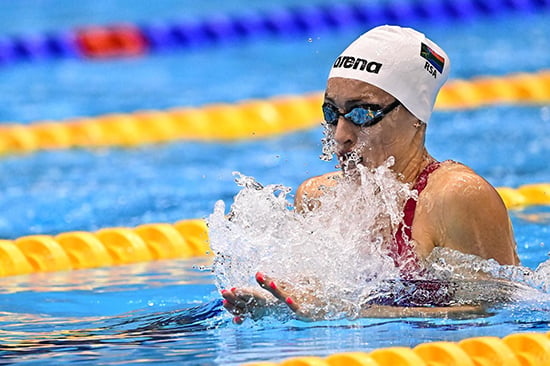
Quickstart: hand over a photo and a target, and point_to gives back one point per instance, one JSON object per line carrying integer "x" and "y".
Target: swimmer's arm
{"x": 245, "y": 303}
{"x": 309, "y": 192}
{"x": 474, "y": 220}
{"x": 462, "y": 311}
{"x": 301, "y": 193}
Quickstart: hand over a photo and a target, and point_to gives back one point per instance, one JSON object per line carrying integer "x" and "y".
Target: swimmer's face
{"x": 373, "y": 145}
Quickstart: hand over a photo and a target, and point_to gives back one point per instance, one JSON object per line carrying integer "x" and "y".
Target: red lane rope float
{"x": 246, "y": 120}
{"x": 277, "y": 21}
{"x": 120, "y": 40}
{"x": 147, "y": 242}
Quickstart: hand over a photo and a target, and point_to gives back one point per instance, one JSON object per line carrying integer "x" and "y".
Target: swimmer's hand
{"x": 244, "y": 303}
{"x": 303, "y": 304}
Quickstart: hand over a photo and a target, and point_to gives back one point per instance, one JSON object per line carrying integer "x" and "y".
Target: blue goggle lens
{"x": 360, "y": 116}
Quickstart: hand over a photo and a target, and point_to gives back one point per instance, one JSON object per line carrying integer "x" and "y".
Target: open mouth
{"x": 349, "y": 160}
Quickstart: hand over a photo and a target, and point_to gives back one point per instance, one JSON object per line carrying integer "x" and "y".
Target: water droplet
{"x": 262, "y": 227}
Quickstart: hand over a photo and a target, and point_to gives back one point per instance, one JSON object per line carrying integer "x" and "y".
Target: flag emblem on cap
{"x": 433, "y": 57}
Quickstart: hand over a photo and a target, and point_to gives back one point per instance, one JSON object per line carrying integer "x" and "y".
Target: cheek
{"x": 371, "y": 148}
{"x": 378, "y": 145}
{"x": 373, "y": 139}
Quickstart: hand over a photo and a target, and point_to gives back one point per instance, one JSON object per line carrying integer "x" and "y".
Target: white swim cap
{"x": 400, "y": 61}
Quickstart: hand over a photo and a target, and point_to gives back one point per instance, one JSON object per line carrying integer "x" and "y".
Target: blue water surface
{"x": 259, "y": 69}
{"x": 169, "y": 311}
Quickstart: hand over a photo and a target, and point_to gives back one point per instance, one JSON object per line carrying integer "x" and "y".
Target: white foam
{"x": 340, "y": 247}
{"x": 338, "y": 251}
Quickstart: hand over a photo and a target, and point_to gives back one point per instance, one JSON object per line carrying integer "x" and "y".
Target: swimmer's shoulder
{"x": 467, "y": 214}
{"x": 316, "y": 185}
{"x": 457, "y": 182}
{"x": 313, "y": 188}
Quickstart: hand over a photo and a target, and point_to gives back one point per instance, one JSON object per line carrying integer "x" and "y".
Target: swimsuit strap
{"x": 402, "y": 251}
{"x": 419, "y": 186}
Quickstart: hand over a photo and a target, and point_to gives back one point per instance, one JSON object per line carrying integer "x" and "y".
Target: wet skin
{"x": 458, "y": 209}
{"x": 246, "y": 303}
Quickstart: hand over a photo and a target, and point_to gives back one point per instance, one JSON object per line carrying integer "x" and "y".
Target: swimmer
{"x": 379, "y": 98}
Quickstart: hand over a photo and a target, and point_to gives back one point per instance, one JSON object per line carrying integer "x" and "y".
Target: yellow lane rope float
{"x": 525, "y": 195}
{"x": 184, "y": 239}
{"x": 247, "y": 119}
{"x": 519, "y": 349}
{"x": 106, "y": 247}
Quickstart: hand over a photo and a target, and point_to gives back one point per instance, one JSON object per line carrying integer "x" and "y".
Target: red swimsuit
{"x": 401, "y": 249}
{"x": 414, "y": 288}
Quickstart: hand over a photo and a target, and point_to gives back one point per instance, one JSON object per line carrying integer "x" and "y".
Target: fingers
{"x": 278, "y": 290}
{"x": 243, "y": 303}
{"x": 233, "y": 305}
{"x": 285, "y": 293}
{"x": 246, "y": 303}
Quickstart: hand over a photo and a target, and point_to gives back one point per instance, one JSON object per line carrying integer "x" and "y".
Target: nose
{"x": 345, "y": 135}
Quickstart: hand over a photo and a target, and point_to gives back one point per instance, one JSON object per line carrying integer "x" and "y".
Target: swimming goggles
{"x": 363, "y": 115}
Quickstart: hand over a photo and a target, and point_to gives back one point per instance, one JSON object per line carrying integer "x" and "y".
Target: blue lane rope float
{"x": 132, "y": 40}
{"x": 35, "y": 47}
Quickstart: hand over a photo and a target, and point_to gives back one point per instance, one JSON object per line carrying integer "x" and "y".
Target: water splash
{"x": 339, "y": 251}
{"x": 485, "y": 280}
{"x": 328, "y": 144}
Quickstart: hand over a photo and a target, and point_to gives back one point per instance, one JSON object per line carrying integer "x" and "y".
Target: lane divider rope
{"x": 525, "y": 195}
{"x": 184, "y": 239}
{"x": 517, "y": 349}
{"x": 119, "y": 40}
{"x": 105, "y": 247}
{"x": 247, "y": 119}
{"x": 215, "y": 122}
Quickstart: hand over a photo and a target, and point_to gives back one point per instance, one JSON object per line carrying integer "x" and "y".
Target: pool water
{"x": 170, "y": 311}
